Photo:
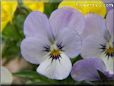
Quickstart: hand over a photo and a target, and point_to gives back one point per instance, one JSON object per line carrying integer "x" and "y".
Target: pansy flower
{"x": 90, "y": 69}
{"x": 51, "y": 43}
{"x": 98, "y": 39}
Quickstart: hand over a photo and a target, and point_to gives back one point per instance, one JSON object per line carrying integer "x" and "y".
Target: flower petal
{"x": 66, "y": 17}
{"x": 6, "y": 76}
{"x": 109, "y": 62}
{"x": 70, "y": 40}
{"x": 91, "y": 46}
{"x": 32, "y": 49}
{"x": 110, "y": 21}
{"x": 109, "y": 75}
{"x": 56, "y": 69}
{"x": 87, "y": 69}
{"x": 94, "y": 24}
{"x": 37, "y": 23}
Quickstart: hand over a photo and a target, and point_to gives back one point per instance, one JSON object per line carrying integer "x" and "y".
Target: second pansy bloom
{"x": 98, "y": 39}
{"x": 51, "y": 43}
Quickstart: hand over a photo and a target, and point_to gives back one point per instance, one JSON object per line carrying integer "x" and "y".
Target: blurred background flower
{"x": 8, "y": 10}
{"x": 99, "y": 42}
{"x": 34, "y": 5}
{"x": 86, "y": 6}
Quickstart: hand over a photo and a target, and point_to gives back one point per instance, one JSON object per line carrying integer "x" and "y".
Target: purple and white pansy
{"x": 99, "y": 39}
{"x": 98, "y": 42}
{"x": 51, "y": 43}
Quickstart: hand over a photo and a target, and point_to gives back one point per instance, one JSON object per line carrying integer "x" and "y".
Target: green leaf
{"x": 13, "y": 34}
{"x": 75, "y": 59}
{"x": 34, "y": 77}
{"x": 50, "y": 7}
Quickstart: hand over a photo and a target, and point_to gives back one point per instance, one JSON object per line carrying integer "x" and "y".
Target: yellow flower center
{"x": 110, "y": 50}
{"x": 55, "y": 54}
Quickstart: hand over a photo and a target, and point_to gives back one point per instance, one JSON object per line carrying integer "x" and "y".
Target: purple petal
{"x": 37, "y": 23}
{"x": 110, "y": 21}
{"x": 94, "y": 24}
{"x": 87, "y": 69}
{"x": 109, "y": 76}
{"x": 32, "y": 49}
{"x": 66, "y": 17}
{"x": 70, "y": 40}
{"x": 91, "y": 46}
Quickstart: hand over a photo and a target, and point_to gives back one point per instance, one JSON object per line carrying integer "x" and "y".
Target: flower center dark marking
{"x": 54, "y": 50}
{"x": 108, "y": 51}
{"x": 55, "y": 54}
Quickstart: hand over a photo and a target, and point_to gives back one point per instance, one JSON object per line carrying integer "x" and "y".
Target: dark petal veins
{"x": 60, "y": 46}
{"x": 46, "y": 48}
{"x": 55, "y": 57}
{"x": 103, "y": 47}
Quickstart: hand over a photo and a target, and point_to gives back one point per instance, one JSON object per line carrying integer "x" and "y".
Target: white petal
{"x": 94, "y": 24}
{"x": 37, "y": 23}
{"x": 109, "y": 62}
{"x": 6, "y": 76}
{"x": 70, "y": 40}
{"x": 91, "y": 46}
{"x": 66, "y": 17}
{"x": 56, "y": 69}
{"x": 32, "y": 49}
